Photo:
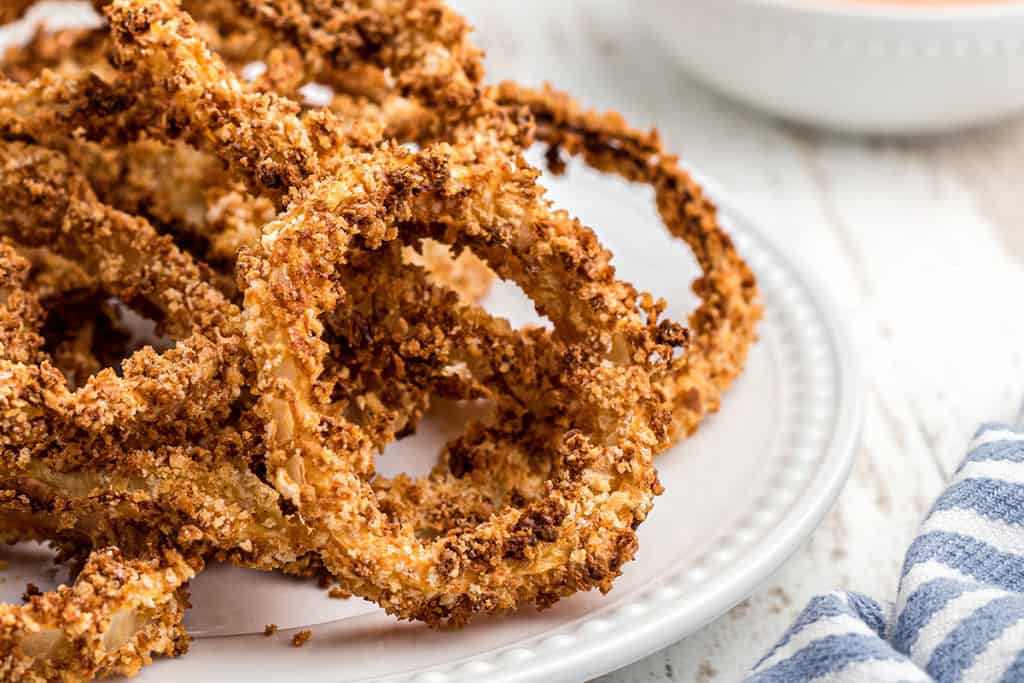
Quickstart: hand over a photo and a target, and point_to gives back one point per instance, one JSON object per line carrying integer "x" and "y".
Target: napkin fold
{"x": 959, "y": 611}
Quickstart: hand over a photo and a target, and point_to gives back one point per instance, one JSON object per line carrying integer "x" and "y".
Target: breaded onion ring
{"x": 723, "y": 327}
{"x": 44, "y": 202}
{"x": 117, "y": 614}
{"x": 466, "y": 487}
{"x": 604, "y": 429}
{"x": 576, "y": 414}
{"x": 203, "y": 497}
{"x": 423, "y": 45}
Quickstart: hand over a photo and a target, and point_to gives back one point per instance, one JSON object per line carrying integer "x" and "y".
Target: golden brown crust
{"x": 422, "y": 44}
{"x": 596, "y": 378}
{"x": 172, "y": 90}
{"x": 355, "y": 312}
{"x": 181, "y": 189}
{"x": 118, "y": 614}
{"x": 21, "y": 314}
{"x": 723, "y": 327}
{"x": 45, "y": 203}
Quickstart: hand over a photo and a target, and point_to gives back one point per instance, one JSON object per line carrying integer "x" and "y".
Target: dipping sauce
{"x": 935, "y": 3}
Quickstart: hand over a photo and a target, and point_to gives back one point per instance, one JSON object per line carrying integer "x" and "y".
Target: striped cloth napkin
{"x": 959, "y": 612}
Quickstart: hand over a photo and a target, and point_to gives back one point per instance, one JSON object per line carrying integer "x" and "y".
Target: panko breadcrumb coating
{"x": 601, "y": 428}
{"x": 422, "y": 44}
{"x": 723, "y": 327}
{"x": 320, "y": 280}
{"x": 45, "y": 203}
{"x": 179, "y": 187}
{"x": 116, "y": 616}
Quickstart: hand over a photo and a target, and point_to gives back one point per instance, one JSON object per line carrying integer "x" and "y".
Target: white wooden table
{"x": 921, "y": 243}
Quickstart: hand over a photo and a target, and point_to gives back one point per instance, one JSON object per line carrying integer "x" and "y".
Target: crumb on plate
{"x": 31, "y": 590}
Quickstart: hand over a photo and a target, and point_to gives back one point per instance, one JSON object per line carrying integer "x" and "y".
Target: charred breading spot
{"x": 538, "y": 523}
{"x": 460, "y": 460}
{"x": 403, "y": 181}
{"x": 103, "y": 100}
{"x": 546, "y": 600}
{"x": 673, "y": 334}
{"x": 448, "y": 564}
{"x": 31, "y": 591}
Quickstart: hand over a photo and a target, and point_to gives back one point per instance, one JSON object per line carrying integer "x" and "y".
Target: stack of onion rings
{"x": 318, "y": 281}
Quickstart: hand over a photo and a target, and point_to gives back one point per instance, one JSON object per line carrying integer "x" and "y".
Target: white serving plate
{"x": 853, "y": 66}
{"x": 741, "y": 496}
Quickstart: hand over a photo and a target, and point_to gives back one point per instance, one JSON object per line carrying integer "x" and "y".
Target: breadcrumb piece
{"x": 301, "y": 638}
{"x": 269, "y": 630}
{"x": 338, "y": 593}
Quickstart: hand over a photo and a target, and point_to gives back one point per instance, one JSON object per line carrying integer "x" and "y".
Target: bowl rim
{"x": 894, "y": 10}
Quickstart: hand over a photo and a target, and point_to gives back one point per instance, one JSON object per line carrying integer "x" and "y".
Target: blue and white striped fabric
{"x": 959, "y": 612}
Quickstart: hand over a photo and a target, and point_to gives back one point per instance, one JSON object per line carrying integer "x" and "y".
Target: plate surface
{"x": 741, "y": 495}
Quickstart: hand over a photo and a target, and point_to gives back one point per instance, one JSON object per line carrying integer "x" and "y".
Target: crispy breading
{"x": 45, "y": 203}
{"x": 422, "y": 44}
{"x": 590, "y": 388}
{"x": 21, "y": 314}
{"x": 252, "y": 439}
{"x": 723, "y": 326}
{"x": 112, "y": 620}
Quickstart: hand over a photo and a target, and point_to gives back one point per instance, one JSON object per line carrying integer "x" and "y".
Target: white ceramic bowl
{"x": 854, "y": 66}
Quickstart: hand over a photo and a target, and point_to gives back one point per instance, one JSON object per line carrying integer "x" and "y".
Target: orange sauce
{"x": 934, "y": 3}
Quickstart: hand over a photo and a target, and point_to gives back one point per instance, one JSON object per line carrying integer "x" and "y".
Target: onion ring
{"x": 723, "y": 327}
{"x": 465, "y": 487}
{"x": 45, "y": 203}
{"x": 423, "y": 44}
{"x": 576, "y": 538}
{"x": 203, "y": 496}
{"x": 118, "y": 613}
